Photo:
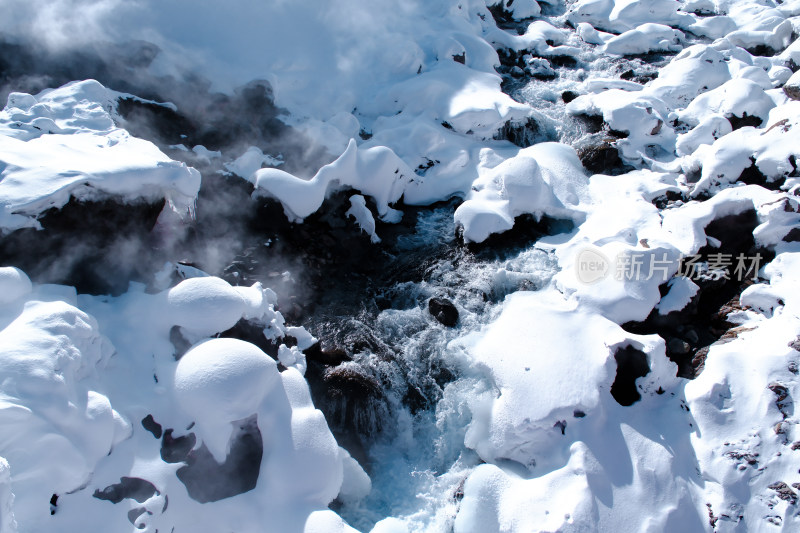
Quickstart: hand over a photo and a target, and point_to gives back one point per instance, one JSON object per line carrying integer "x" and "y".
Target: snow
{"x": 528, "y": 430}
{"x": 376, "y": 172}
{"x": 681, "y": 292}
{"x": 644, "y": 39}
{"x": 545, "y": 179}
{"x": 64, "y": 144}
{"x": 220, "y": 381}
{"x": 7, "y": 522}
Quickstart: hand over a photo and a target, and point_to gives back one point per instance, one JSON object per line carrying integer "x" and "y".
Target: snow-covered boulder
{"x": 544, "y": 179}
{"x": 64, "y": 143}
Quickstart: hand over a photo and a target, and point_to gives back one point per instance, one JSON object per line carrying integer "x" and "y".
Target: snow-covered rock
{"x": 545, "y": 179}
{"x": 64, "y": 144}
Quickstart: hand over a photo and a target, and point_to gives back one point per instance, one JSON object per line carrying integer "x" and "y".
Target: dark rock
{"x": 460, "y": 58}
{"x": 631, "y": 364}
{"x": 176, "y": 449}
{"x": 128, "y": 487}
{"x": 253, "y": 333}
{"x": 444, "y": 311}
{"x": 179, "y": 342}
{"x": 329, "y": 357}
{"x": 744, "y": 120}
{"x": 792, "y": 236}
{"x": 599, "y": 155}
{"x": 152, "y": 426}
{"x": 206, "y": 480}
{"x": 785, "y": 493}
{"x": 524, "y": 134}
{"x": 568, "y": 96}
{"x": 352, "y": 399}
{"x": 678, "y": 346}
{"x": 783, "y": 401}
{"x": 97, "y": 247}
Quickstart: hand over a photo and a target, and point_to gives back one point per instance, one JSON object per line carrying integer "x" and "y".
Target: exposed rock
{"x": 524, "y": 134}
{"x": 444, "y": 311}
{"x": 599, "y": 155}
{"x": 631, "y": 364}
{"x": 785, "y": 492}
{"x": 568, "y": 96}
{"x": 792, "y": 86}
{"x": 128, "y": 487}
{"x": 208, "y": 481}
{"x": 152, "y": 426}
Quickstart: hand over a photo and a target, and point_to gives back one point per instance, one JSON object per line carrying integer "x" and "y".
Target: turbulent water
{"x": 310, "y": 268}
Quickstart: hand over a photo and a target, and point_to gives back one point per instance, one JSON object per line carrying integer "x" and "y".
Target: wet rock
{"x": 568, "y": 96}
{"x": 599, "y": 155}
{"x": 678, "y": 346}
{"x": 326, "y": 356}
{"x": 631, "y": 364}
{"x": 524, "y": 134}
{"x": 444, "y": 311}
{"x": 353, "y": 400}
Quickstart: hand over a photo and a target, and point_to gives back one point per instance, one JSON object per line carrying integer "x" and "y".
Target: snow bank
{"x": 740, "y": 404}
{"x": 56, "y": 425}
{"x": 63, "y": 144}
{"x": 60, "y": 376}
{"x": 7, "y": 522}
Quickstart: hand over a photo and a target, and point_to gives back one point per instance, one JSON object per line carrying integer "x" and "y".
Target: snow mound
{"x": 770, "y": 149}
{"x": 56, "y": 425}
{"x": 544, "y": 179}
{"x": 63, "y": 143}
{"x": 208, "y": 305}
{"x": 220, "y": 381}
{"x": 376, "y": 172}
{"x": 60, "y": 375}
{"x": 644, "y": 39}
